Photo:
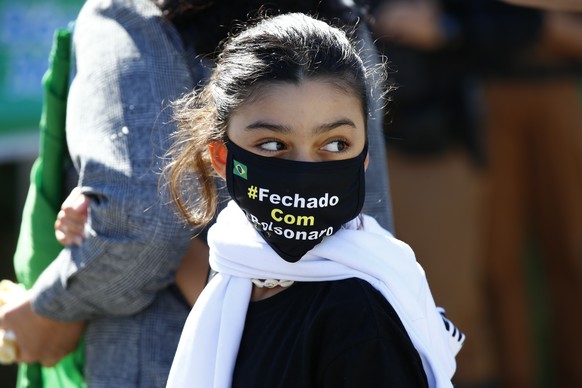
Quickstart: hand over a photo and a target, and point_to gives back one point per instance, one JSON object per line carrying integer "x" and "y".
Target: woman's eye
{"x": 272, "y": 146}
{"x": 336, "y": 146}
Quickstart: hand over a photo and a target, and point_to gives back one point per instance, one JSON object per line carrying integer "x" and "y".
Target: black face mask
{"x": 292, "y": 204}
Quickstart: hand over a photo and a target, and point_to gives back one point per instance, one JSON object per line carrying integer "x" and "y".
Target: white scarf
{"x": 208, "y": 348}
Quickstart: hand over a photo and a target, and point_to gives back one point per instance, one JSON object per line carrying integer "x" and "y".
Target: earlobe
{"x": 218, "y": 154}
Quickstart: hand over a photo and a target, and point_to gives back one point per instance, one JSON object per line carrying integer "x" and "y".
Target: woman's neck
{"x": 261, "y": 293}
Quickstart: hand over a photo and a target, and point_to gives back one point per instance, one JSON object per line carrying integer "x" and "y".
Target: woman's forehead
{"x": 270, "y": 89}
{"x": 312, "y": 104}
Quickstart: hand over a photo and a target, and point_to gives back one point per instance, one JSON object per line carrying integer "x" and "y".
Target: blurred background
{"x": 484, "y": 141}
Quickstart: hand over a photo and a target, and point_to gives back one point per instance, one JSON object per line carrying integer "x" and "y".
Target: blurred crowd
{"x": 484, "y": 137}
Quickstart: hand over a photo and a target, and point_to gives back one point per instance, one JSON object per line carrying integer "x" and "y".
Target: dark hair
{"x": 172, "y": 9}
{"x": 288, "y": 48}
{"x": 203, "y": 24}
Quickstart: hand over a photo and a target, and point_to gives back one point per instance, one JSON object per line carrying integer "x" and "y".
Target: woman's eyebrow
{"x": 334, "y": 124}
{"x": 269, "y": 126}
{"x": 286, "y": 129}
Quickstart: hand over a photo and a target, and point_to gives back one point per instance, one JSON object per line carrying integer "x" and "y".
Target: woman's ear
{"x": 218, "y": 153}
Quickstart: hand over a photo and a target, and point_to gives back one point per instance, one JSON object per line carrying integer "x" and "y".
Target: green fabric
{"x": 37, "y": 246}
{"x": 66, "y": 374}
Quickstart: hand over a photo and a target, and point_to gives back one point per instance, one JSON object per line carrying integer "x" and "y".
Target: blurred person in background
{"x": 534, "y": 129}
{"x": 526, "y": 67}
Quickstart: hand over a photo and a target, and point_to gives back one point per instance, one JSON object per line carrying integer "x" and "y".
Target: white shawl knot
{"x": 208, "y": 348}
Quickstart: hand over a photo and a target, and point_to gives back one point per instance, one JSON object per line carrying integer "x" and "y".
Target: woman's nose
{"x": 301, "y": 154}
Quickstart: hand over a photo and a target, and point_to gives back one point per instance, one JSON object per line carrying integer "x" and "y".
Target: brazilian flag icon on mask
{"x": 239, "y": 169}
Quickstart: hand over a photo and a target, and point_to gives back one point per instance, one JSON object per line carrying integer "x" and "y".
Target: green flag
{"x": 37, "y": 246}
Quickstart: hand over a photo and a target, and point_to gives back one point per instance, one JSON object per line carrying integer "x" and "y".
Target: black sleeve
{"x": 370, "y": 347}
{"x": 375, "y": 363}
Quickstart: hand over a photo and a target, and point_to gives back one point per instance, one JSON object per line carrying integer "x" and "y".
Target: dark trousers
{"x": 535, "y": 176}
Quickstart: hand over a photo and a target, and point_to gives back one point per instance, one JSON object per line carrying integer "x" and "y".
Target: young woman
{"x": 308, "y": 292}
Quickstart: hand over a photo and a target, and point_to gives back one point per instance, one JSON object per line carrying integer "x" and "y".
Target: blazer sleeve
{"x": 129, "y": 65}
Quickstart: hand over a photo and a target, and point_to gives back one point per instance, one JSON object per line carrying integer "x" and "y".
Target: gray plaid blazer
{"x": 130, "y": 63}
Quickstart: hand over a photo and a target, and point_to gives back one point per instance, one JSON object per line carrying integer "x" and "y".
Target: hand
{"x": 416, "y": 24}
{"x": 39, "y": 339}
{"x": 70, "y": 223}
{"x": 561, "y": 34}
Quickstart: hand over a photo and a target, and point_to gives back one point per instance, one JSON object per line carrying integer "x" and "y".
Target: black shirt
{"x": 326, "y": 334}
